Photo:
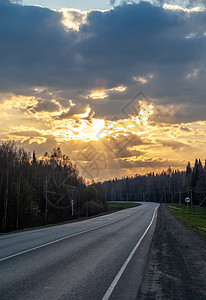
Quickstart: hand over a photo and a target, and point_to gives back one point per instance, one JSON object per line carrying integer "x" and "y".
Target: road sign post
{"x": 187, "y": 200}
{"x": 72, "y": 203}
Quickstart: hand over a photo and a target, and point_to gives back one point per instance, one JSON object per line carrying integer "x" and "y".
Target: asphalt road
{"x": 99, "y": 258}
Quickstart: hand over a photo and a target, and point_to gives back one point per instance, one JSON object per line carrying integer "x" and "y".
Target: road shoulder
{"x": 177, "y": 262}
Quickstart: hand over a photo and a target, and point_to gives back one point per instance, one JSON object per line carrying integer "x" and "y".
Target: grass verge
{"x": 196, "y": 217}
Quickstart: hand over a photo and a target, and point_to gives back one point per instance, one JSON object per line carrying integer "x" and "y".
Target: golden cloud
{"x": 104, "y": 93}
{"x": 135, "y": 139}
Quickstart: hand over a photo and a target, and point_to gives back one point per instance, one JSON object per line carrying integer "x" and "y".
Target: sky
{"x": 78, "y": 4}
{"x": 118, "y": 86}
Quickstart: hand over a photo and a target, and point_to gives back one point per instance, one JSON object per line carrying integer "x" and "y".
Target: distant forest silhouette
{"x": 37, "y": 191}
{"x": 167, "y": 186}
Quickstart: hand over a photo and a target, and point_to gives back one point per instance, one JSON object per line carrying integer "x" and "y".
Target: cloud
{"x": 71, "y": 78}
{"x": 110, "y": 49}
{"x": 100, "y": 147}
{"x": 173, "y": 144}
{"x": 143, "y": 80}
{"x": 112, "y": 2}
{"x": 4, "y": 1}
{"x": 193, "y": 74}
{"x": 184, "y": 9}
{"x": 73, "y": 19}
{"x": 104, "y": 93}
{"x": 47, "y": 105}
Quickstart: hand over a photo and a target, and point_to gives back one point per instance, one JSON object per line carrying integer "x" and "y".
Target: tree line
{"x": 36, "y": 191}
{"x": 168, "y": 186}
{"x": 39, "y": 190}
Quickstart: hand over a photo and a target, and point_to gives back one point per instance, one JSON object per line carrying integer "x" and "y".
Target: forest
{"x": 169, "y": 186}
{"x": 35, "y": 191}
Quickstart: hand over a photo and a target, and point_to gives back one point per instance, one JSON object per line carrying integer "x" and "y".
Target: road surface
{"x": 99, "y": 258}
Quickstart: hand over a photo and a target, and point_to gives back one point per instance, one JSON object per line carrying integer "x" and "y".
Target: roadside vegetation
{"x": 196, "y": 216}
{"x": 37, "y": 191}
{"x": 170, "y": 186}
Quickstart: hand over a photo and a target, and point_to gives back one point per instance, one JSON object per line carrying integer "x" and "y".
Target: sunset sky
{"x": 119, "y": 86}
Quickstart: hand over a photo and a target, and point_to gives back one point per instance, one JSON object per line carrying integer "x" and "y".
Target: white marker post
{"x": 72, "y": 203}
{"x": 187, "y": 200}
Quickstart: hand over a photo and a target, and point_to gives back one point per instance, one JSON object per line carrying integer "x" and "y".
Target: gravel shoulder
{"x": 177, "y": 262}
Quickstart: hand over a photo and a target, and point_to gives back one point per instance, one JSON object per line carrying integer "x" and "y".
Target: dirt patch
{"x": 177, "y": 262}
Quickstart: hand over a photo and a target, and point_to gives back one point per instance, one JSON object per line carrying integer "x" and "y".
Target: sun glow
{"x": 72, "y": 19}
{"x": 98, "y": 94}
{"x": 83, "y": 126}
{"x": 81, "y": 130}
{"x": 145, "y": 112}
{"x": 104, "y": 93}
{"x": 135, "y": 140}
{"x": 96, "y": 129}
{"x": 12, "y": 102}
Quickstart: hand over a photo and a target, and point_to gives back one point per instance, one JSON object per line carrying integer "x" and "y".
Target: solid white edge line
{"x": 64, "y": 238}
{"x": 121, "y": 271}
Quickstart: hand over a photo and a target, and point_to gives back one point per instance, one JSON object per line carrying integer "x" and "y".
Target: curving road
{"x": 99, "y": 258}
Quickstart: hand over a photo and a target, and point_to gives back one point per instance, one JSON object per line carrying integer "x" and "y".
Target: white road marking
{"x": 121, "y": 271}
{"x": 64, "y": 238}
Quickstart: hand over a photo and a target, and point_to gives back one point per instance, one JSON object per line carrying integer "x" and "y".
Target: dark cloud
{"x": 33, "y": 41}
{"x": 75, "y": 110}
{"x": 120, "y": 145}
{"x": 46, "y": 105}
{"x": 113, "y": 47}
{"x": 40, "y": 149}
{"x": 5, "y": 2}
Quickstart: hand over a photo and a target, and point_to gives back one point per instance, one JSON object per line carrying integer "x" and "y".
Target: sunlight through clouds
{"x": 181, "y": 8}
{"x": 153, "y": 138}
{"x": 69, "y": 77}
{"x": 98, "y": 94}
{"x": 73, "y": 18}
{"x": 104, "y": 93}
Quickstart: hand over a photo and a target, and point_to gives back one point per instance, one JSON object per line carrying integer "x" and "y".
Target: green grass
{"x": 196, "y": 217}
{"x": 118, "y": 206}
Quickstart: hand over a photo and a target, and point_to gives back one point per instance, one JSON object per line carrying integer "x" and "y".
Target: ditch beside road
{"x": 177, "y": 262}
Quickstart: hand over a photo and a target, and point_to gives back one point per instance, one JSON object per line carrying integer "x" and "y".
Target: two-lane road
{"x": 99, "y": 258}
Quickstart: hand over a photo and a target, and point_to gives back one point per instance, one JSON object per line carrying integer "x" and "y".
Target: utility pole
{"x": 180, "y": 200}
{"x": 46, "y": 200}
{"x": 87, "y": 210}
{"x": 191, "y": 198}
